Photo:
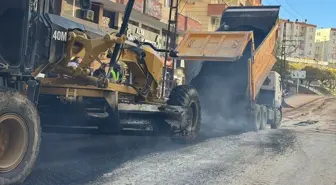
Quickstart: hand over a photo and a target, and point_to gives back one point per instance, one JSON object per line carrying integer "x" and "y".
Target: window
{"x": 72, "y": 8}
{"x": 309, "y": 53}
{"x": 318, "y": 34}
{"x": 215, "y": 21}
{"x": 310, "y": 45}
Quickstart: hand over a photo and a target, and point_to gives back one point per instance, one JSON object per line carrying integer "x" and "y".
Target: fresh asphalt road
{"x": 301, "y": 152}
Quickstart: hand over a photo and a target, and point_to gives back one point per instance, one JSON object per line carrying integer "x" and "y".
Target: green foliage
{"x": 326, "y": 75}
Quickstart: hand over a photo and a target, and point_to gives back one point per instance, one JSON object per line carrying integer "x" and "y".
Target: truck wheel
{"x": 277, "y": 119}
{"x": 186, "y": 96}
{"x": 256, "y": 118}
{"x": 263, "y": 123}
{"x": 19, "y": 137}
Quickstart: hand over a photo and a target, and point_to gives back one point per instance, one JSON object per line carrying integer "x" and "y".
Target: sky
{"x": 319, "y": 12}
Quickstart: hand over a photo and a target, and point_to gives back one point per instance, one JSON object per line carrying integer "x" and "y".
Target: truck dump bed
{"x": 231, "y": 64}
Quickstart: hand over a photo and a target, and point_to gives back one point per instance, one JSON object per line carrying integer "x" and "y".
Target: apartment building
{"x": 325, "y": 44}
{"x": 299, "y": 39}
{"x": 209, "y": 12}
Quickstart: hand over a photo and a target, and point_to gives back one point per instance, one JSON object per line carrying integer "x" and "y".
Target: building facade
{"x": 209, "y": 12}
{"x": 150, "y": 17}
{"x": 298, "y": 39}
{"x": 325, "y": 43}
{"x": 148, "y": 20}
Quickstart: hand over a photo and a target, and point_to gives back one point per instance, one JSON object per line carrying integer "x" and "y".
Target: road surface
{"x": 301, "y": 152}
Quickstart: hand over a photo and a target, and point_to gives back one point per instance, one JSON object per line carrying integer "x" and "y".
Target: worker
{"x": 116, "y": 75}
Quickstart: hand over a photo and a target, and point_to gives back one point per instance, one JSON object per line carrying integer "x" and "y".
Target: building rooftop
{"x": 299, "y": 22}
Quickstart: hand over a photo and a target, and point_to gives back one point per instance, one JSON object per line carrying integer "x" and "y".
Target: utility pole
{"x": 284, "y": 53}
{"x": 283, "y": 56}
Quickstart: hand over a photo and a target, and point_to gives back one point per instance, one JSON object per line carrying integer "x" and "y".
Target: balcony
{"x": 186, "y": 23}
{"x": 216, "y": 9}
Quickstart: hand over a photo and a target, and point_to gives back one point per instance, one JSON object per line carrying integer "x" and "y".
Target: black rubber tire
{"x": 277, "y": 119}
{"x": 256, "y": 118}
{"x": 187, "y": 97}
{"x": 263, "y": 123}
{"x": 15, "y": 103}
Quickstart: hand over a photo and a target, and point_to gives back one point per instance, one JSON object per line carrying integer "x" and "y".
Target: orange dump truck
{"x": 231, "y": 68}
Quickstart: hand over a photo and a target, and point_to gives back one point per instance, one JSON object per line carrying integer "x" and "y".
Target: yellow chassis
{"x": 66, "y": 88}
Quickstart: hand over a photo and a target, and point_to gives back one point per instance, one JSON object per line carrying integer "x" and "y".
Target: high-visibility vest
{"x": 115, "y": 75}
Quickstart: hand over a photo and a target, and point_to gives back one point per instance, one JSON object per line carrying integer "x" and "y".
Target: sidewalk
{"x": 301, "y": 99}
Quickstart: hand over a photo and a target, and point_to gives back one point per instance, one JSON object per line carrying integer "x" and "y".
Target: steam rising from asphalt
{"x": 219, "y": 98}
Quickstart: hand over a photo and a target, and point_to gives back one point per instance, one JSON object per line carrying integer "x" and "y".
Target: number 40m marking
{"x": 60, "y": 35}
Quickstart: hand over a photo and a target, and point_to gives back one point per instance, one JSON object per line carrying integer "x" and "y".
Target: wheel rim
{"x": 13, "y": 141}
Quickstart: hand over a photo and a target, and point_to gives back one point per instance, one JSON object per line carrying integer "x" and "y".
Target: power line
{"x": 294, "y": 9}
{"x": 285, "y": 8}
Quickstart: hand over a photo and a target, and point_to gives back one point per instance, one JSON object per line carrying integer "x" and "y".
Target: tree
{"x": 312, "y": 74}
